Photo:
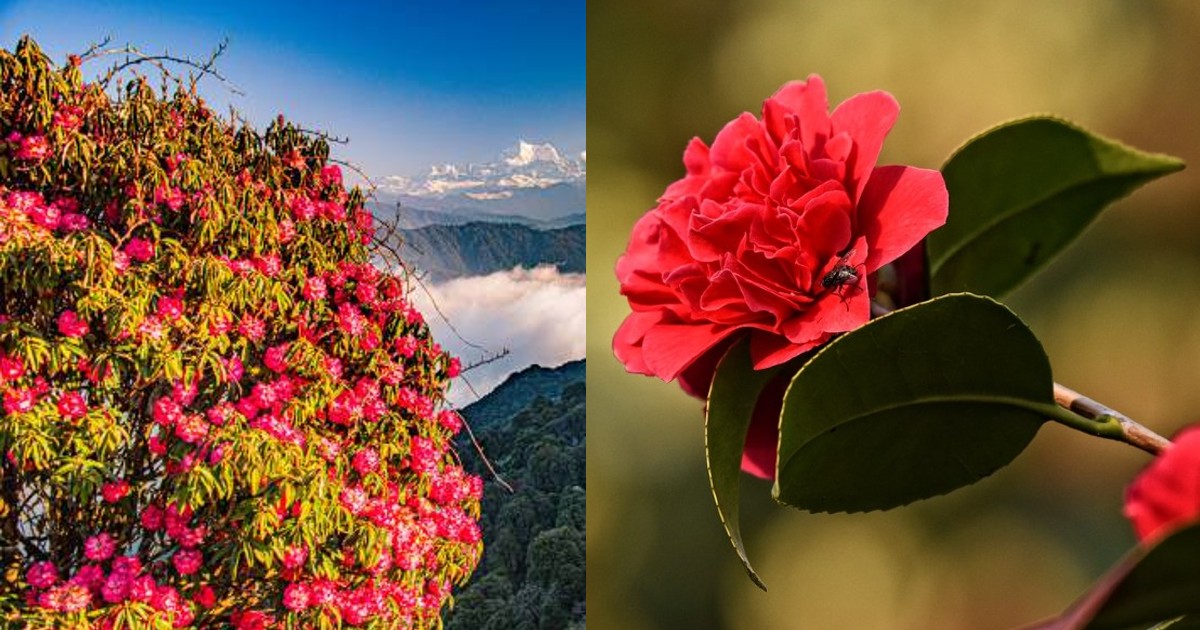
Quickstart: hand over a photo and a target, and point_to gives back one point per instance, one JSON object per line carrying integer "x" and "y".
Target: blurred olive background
{"x": 1119, "y": 313}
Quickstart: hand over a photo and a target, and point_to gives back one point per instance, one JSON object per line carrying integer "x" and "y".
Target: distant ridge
{"x": 446, "y": 252}
{"x": 520, "y": 389}
{"x": 411, "y": 218}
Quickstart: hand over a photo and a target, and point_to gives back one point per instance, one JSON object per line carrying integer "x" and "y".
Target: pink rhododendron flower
{"x": 139, "y": 249}
{"x": 152, "y": 328}
{"x": 251, "y": 620}
{"x": 294, "y": 556}
{"x": 205, "y": 597}
{"x": 192, "y": 428}
{"x": 33, "y": 148}
{"x": 233, "y": 368}
{"x": 366, "y": 460}
{"x": 331, "y": 174}
{"x": 275, "y": 358}
{"x": 19, "y": 400}
{"x": 169, "y": 196}
{"x": 73, "y": 222}
{"x": 68, "y": 117}
{"x": 451, "y": 420}
{"x": 156, "y": 445}
{"x": 68, "y": 598}
{"x": 1166, "y": 495}
{"x": 114, "y": 491}
{"x": 120, "y": 261}
{"x": 170, "y": 307}
{"x": 116, "y": 587}
{"x": 42, "y": 574}
{"x": 773, "y": 234}
{"x": 314, "y": 288}
{"x": 152, "y": 518}
{"x": 287, "y": 230}
{"x": 11, "y": 368}
{"x": 328, "y": 449}
{"x": 72, "y": 406}
{"x": 269, "y": 266}
{"x": 354, "y": 499}
{"x": 166, "y": 412}
{"x": 422, "y": 456}
{"x": 99, "y": 547}
{"x": 70, "y": 325}
{"x": 296, "y": 596}
{"x": 252, "y": 327}
{"x": 187, "y": 561}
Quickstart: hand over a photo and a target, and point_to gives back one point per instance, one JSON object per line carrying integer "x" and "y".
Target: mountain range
{"x": 534, "y": 181}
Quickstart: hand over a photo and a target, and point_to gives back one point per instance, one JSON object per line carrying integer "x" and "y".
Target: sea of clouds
{"x": 538, "y": 315}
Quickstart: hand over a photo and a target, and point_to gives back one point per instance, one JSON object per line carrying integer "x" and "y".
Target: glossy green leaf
{"x": 1020, "y": 193}
{"x": 1150, "y": 585}
{"x": 911, "y": 405}
{"x": 734, "y": 391}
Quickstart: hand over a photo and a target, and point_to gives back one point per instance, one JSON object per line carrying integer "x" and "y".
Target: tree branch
{"x": 1131, "y": 432}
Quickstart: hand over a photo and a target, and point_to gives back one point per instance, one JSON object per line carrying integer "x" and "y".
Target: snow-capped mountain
{"x": 528, "y": 165}
{"x": 531, "y": 180}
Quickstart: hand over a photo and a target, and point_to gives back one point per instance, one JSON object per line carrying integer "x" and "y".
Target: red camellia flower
{"x": 775, "y": 232}
{"x": 1166, "y": 495}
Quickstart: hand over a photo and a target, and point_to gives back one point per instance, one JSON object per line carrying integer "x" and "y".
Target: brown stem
{"x": 1134, "y": 433}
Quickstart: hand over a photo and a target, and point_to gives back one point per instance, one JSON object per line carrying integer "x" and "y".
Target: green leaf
{"x": 911, "y": 405}
{"x": 1151, "y": 584}
{"x": 731, "y": 398}
{"x": 1020, "y": 193}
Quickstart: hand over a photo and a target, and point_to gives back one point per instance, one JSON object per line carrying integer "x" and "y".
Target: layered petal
{"x": 867, "y": 118}
{"x": 899, "y": 207}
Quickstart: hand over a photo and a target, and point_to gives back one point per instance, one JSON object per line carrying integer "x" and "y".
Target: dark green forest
{"x": 532, "y": 573}
{"x": 472, "y": 249}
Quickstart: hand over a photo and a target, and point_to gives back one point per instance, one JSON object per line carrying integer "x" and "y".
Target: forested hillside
{"x": 532, "y": 573}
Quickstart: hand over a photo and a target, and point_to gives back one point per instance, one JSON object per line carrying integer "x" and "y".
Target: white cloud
{"x": 538, "y": 314}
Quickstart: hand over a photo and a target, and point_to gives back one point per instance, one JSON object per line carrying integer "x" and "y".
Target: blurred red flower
{"x": 1166, "y": 495}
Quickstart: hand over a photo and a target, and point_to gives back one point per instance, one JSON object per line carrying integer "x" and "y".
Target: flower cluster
{"x": 198, "y": 359}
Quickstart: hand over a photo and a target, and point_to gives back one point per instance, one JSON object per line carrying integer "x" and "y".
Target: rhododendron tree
{"x": 216, "y": 411}
{"x": 840, "y": 321}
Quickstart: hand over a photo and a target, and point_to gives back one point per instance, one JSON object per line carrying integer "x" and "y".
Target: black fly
{"x": 841, "y": 274}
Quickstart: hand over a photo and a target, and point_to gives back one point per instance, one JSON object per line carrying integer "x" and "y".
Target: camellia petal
{"x": 900, "y": 205}
{"x": 668, "y": 349}
{"x": 867, "y": 118}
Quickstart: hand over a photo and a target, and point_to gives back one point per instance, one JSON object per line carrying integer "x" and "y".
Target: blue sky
{"x": 410, "y": 83}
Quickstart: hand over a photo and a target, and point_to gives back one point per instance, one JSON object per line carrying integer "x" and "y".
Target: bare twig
{"x": 335, "y": 139}
{"x": 134, "y": 56}
{"x": 486, "y": 462}
{"x": 385, "y": 244}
